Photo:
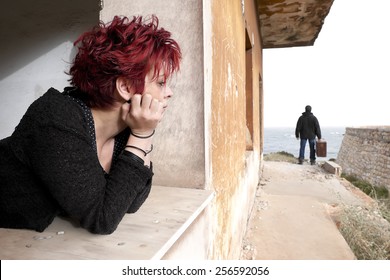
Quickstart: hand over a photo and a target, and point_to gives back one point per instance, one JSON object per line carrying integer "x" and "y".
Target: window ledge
{"x": 147, "y": 234}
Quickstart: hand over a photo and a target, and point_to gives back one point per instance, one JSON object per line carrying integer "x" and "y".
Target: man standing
{"x": 307, "y": 129}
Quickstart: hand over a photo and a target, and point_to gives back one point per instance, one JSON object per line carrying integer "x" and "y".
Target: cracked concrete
{"x": 291, "y": 217}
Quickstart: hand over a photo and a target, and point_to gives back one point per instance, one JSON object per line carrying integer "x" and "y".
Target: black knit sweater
{"x": 49, "y": 167}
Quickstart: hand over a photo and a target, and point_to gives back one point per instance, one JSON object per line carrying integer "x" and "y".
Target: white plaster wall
{"x": 21, "y": 88}
{"x": 37, "y": 43}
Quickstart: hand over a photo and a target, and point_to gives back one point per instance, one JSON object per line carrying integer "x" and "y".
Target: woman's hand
{"x": 142, "y": 114}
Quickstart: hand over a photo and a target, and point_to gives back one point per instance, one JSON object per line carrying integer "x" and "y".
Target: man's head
{"x": 308, "y": 109}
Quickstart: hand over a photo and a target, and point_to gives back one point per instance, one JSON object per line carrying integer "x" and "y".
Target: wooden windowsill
{"x": 147, "y": 234}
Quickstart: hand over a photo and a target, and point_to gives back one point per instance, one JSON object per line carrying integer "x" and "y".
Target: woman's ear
{"x": 123, "y": 88}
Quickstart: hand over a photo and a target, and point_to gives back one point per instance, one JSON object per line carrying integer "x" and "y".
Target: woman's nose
{"x": 168, "y": 92}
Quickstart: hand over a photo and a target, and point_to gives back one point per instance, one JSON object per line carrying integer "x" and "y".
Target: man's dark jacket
{"x": 307, "y": 127}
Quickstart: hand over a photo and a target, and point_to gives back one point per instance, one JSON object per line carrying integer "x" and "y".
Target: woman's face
{"x": 158, "y": 88}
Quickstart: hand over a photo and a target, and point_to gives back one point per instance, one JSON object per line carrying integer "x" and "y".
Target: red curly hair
{"x": 121, "y": 48}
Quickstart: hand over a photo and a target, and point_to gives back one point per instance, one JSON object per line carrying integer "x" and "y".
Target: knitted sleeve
{"x": 68, "y": 167}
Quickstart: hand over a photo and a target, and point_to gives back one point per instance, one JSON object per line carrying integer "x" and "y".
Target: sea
{"x": 278, "y": 139}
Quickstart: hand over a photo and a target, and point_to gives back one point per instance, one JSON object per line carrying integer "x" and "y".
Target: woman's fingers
{"x": 145, "y": 112}
{"x": 146, "y": 104}
{"x": 136, "y": 101}
{"x": 146, "y": 100}
{"x": 155, "y": 106}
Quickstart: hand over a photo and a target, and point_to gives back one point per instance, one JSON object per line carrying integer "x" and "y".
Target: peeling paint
{"x": 275, "y": 15}
{"x": 228, "y": 123}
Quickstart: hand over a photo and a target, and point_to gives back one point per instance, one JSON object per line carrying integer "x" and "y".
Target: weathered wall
{"x": 178, "y": 153}
{"x": 233, "y": 170}
{"x": 365, "y": 153}
{"x": 254, "y": 71}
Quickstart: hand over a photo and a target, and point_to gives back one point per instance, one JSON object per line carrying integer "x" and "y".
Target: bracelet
{"x": 139, "y": 149}
{"x": 149, "y": 151}
{"x": 141, "y": 136}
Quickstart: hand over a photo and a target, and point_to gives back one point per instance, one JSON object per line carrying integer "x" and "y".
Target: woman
{"x": 85, "y": 153}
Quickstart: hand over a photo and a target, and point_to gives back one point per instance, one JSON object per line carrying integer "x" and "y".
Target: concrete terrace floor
{"x": 291, "y": 218}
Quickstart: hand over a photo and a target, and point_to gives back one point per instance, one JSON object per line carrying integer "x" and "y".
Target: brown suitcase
{"x": 321, "y": 148}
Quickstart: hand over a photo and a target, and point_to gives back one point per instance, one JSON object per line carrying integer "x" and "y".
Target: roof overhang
{"x": 291, "y": 23}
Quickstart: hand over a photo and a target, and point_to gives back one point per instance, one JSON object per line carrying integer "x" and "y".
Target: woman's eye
{"x": 162, "y": 84}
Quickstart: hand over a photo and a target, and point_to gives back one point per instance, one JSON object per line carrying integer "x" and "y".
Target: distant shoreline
{"x": 282, "y": 139}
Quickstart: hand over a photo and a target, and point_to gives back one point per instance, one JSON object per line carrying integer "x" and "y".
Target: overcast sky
{"x": 344, "y": 76}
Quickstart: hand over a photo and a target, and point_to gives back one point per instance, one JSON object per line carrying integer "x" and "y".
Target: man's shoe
{"x": 313, "y": 163}
{"x": 300, "y": 161}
